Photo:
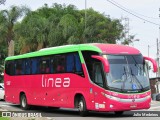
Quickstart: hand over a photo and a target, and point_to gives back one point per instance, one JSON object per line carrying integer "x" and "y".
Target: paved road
{"x": 155, "y": 105}
{"x": 69, "y": 114}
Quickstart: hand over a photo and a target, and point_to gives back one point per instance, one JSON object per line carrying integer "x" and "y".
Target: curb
{"x": 1, "y": 109}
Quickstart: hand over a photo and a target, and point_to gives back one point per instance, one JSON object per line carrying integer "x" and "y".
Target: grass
{"x": 4, "y": 118}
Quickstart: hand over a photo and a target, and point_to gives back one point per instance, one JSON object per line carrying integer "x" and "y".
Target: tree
{"x": 61, "y": 24}
{"x": 32, "y": 32}
{"x": 54, "y": 26}
{"x": 8, "y": 18}
{"x": 100, "y": 28}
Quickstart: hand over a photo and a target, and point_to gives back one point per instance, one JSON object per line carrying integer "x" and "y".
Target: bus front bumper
{"x": 113, "y": 104}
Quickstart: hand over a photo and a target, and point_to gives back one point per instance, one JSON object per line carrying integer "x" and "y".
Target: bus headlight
{"x": 147, "y": 97}
{"x": 112, "y": 97}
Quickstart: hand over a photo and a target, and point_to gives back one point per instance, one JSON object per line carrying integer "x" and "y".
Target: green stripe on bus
{"x": 57, "y": 50}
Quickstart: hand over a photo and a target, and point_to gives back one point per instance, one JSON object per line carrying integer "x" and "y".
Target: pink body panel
{"x": 116, "y": 49}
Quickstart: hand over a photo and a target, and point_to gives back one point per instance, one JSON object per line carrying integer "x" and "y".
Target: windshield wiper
{"x": 133, "y": 75}
{"x": 127, "y": 74}
{"x": 123, "y": 83}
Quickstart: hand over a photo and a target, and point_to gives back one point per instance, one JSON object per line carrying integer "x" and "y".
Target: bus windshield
{"x": 128, "y": 73}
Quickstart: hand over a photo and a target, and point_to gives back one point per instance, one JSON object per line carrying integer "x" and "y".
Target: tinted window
{"x": 89, "y": 61}
{"x": 34, "y": 65}
{"x": 9, "y": 67}
{"x": 70, "y": 63}
{"x": 19, "y": 67}
{"x": 27, "y": 66}
{"x": 98, "y": 74}
{"x": 60, "y": 63}
{"x": 52, "y": 65}
{"x": 73, "y": 64}
{"x": 45, "y": 65}
{"x": 78, "y": 63}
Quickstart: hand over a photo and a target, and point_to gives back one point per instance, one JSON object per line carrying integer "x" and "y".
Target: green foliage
{"x": 8, "y": 18}
{"x": 56, "y": 25}
{"x": 61, "y": 24}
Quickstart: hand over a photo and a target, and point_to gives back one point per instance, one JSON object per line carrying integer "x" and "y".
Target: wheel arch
{"x": 77, "y": 98}
{"x": 20, "y": 94}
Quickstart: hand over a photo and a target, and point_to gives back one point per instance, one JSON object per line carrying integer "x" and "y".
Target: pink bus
{"x": 87, "y": 77}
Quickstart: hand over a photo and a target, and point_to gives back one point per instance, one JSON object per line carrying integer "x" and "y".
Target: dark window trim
{"x": 50, "y": 58}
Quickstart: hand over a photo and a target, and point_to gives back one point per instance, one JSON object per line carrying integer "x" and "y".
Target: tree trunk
{"x": 11, "y": 48}
{"x": 40, "y": 46}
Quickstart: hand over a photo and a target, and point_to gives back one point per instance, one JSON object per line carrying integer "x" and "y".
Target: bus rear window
{"x": 9, "y": 67}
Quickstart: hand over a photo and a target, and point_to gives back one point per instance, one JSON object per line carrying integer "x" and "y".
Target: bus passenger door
{"x": 98, "y": 79}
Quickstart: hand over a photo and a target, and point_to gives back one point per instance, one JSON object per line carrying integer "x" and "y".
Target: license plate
{"x": 133, "y": 106}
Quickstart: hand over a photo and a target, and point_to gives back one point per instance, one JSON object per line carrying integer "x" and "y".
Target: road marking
{"x": 50, "y": 118}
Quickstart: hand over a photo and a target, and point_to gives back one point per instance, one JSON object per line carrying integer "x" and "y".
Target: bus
{"x": 86, "y": 77}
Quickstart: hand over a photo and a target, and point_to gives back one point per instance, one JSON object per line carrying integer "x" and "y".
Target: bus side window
{"x": 98, "y": 75}
{"x": 70, "y": 63}
{"x": 27, "y": 66}
{"x": 52, "y": 66}
{"x": 60, "y": 66}
{"x": 73, "y": 64}
{"x": 9, "y": 67}
{"x": 18, "y": 67}
{"x": 44, "y": 66}
{"x": 23, "y": 67}
{"x": 34, "y": 65}
{"x": 89, "y": 61}
{"x": 78, "y": 63}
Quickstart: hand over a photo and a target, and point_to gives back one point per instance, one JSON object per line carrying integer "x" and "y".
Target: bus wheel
{"x": 82, "y": 107}
{"x": 23, "y": 102}
{"x": 118, "y": 113}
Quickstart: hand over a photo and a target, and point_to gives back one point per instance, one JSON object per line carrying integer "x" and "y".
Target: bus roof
{"x": 97, "y": 47}
{"x": 56, "y": 50}
{"x": 116, "y": 49}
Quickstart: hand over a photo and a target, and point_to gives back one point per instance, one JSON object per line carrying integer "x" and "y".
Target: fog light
{"x": 111, "y": 106}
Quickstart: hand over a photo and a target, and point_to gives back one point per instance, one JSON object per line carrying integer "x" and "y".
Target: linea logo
{"x": 55, "y": 82}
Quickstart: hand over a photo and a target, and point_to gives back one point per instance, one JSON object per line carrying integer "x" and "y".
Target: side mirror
{"x": 155, "y": 67}
{"x": 104, "y": 61}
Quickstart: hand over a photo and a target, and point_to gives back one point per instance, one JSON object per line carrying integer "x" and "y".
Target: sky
{"x": 148, "y": 10}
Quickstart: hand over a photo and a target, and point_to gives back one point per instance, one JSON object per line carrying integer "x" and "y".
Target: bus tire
{"x": 23, "y": 102}
{"x": 82, "y": 107}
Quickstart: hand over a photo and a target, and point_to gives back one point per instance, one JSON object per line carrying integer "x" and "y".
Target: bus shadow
{"x": 63, "y": 112}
